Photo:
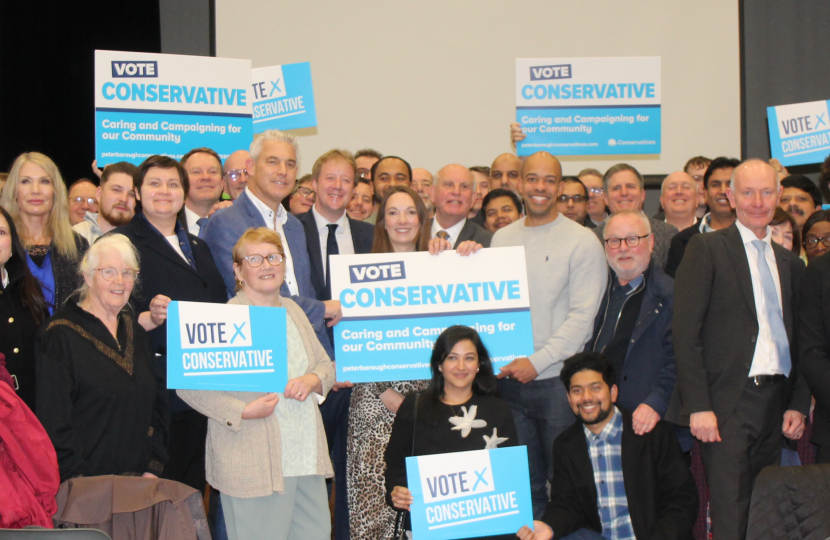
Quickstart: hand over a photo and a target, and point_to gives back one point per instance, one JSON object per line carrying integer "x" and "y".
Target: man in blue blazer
{"x": 329, "y": 231}
{"x": 272, "y": 172}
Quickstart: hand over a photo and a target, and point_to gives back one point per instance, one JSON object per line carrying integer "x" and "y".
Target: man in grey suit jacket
{"x": 272, "y": 172}
{"x": 738, "y": 387}
{"x": 453, "y": 197}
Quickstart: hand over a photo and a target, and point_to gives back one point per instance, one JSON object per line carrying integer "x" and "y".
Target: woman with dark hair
{"x": 302, "y": 198}
{"x": 460, "y": 411}
{"x": 22, "y": 309}
{"x": 816, "y": 234}
{"x": 785, "y": 231}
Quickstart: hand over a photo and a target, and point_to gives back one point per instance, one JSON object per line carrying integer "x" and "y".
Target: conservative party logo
{"x": 122, "y": 68}
{"x": 202, "y": 328}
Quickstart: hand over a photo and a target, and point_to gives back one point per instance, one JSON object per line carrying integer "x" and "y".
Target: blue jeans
{"x": 541, "y": 412}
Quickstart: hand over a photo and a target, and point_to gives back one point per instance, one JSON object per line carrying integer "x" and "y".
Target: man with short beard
{"x": 116, "y": 202}
{"x": 801, "y": 197}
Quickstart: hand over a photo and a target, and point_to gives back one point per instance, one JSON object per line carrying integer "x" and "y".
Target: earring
{"x": 441, "y": 369}
{"x": 476, "y": 370}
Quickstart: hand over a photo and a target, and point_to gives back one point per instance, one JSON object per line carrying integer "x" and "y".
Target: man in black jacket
{"x": 609, "y": 482}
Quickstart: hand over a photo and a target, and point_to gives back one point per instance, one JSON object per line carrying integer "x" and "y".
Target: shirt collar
{"x": 610, "y": 430}
{"x": 322, "y": 222}
{"x": 453, "y": 231}
{"x": 266, "y": 211}
{"x": 747, "y": 236}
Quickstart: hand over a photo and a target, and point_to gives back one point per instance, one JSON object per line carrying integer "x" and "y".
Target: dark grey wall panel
{"x": 187, "y": 27}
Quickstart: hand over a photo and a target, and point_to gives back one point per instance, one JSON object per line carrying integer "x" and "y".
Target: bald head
{"x": 539, "y": 186}
{"x": 452, "y": 194}
{"x": 505, "y": 172}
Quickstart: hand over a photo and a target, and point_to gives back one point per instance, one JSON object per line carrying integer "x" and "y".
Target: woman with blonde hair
{"x": 35, "y": 197}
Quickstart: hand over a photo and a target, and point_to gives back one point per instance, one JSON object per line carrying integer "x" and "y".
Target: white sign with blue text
{"x": 799, "y": 134}
{"x": 226, "y": 347}
{"x": 283, "y": 97}
{"x": 395, "y": 305}
{"x": 469, "y": 494}
{"x": 168, "y": 104}
{"x": 589, "y": 106}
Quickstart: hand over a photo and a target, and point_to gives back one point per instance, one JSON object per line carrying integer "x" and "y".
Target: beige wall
{"x": 434, "y": 81}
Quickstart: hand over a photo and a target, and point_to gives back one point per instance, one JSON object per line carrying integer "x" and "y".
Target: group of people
{"x": 695, "y": 332}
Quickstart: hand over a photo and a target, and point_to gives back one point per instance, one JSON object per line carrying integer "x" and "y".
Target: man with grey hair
{"x": 422, "y": 183}
{"x": 633, "y": 326}
{"x": 452, "y": 196}
{"x": 272, "y": 172}
{"x": 625, "y": 190}
{"x": 678, "y": 195}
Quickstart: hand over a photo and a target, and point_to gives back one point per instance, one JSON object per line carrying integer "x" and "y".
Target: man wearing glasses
{"x": 82, "y": 199}
{"x": 633, "y": 326}
{"x": 573, "y": 201}
{"x": 597, "y": 211}
{"x": 236, "y": 174}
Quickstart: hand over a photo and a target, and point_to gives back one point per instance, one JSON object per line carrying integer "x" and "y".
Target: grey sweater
{"x": 567, "y": 275}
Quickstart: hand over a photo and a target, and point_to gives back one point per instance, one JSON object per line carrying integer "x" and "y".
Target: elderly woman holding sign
{"x": 460, "y": 411}
{"x": 402, "y": 226}
{"x": 100, "y": 393}
{"x": 267, "y": 452}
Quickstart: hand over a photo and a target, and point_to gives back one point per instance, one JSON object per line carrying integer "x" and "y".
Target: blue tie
{"x": 774, "y": 314}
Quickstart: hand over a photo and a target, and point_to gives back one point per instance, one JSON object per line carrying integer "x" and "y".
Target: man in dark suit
{"x": 642, "y": 482}
{"x": 814, "y": 344}
{"x": 738, "y": 388}
{"x": 453, "y": 195}
{"x": 329, "y": 231}
{"x": 720, "y": 215}
{"x": 272, "y": 172}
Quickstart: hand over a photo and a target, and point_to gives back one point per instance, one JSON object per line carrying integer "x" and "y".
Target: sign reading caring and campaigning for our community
{"x": 589, "y": 106}
{"x": 283, "y": 97}
{"x": 395, "y": 305}
{"x": 799, "y": 133}
{"x": 469, "y": 494}
{"x": 168, "y": 104}
{"x": 226, "y": 347}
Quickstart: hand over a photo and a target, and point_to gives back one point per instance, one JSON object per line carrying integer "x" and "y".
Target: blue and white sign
{"x": 799, "y": 134}
{"x": 469, "y": 494}
{"x": 283, "y": 97}
{"x": 168, "y": 104}
{"x": 589, "y": 106}
{"x": 396, "y": 304}
{"x": 226, "y": 347}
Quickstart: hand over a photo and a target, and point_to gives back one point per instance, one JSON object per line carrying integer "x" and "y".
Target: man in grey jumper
{"x": 567, "y": 276}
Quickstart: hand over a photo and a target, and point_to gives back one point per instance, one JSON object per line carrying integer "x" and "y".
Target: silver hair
{"x": 273, "y": 135}
{"x": 92, "y": 258}
{"x": 638, "y": 213}
{"x": 619, "y": 167}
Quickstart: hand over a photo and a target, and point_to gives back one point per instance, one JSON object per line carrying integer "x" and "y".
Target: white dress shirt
{"x": 765, "y": 360}
{"x": 275, "y": 222}
{"x": 343, "y": 235}
{"x": 453, "y": 231}
{"x": 192, "y": 217}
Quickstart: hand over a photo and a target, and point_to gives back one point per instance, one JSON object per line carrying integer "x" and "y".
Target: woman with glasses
{"x": 816, "y": 234}
{"x": 100, "y": 394}
{"x": 267, "y": 452}
{"x": 35, "y": 198}
{"x": 302, "y": 198}
{"x": 178, "y": 266}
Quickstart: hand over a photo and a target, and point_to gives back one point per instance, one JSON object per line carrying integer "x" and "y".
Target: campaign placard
{"x": 799, "y": 133}
{"x": 589, "y": 106}
{"x": 395, "y": 305}
{"x": 469, "y": 494}
{"x": 283, "y": 97}
{"x": 226, "y": 347}
{"x": 168, "y": 104}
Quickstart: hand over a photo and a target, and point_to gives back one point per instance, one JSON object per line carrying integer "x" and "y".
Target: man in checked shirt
{"x": 609, "y": 482}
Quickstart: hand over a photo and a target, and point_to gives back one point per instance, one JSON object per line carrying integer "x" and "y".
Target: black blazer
{"x": 677, "y": 248}
{"x": 715, "y": 325}
{"x": 661, "y": 493}
{"x": 362, "y": 235}
{"x": 814, "y": 343}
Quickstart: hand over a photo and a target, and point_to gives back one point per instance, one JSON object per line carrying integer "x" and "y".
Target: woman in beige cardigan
{"x": 267, "y": 453}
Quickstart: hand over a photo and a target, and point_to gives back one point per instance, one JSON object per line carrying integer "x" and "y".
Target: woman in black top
{"x": 100, "y": 394}
{"x": 460, "y": 411}
{"x": 22, "y": 309}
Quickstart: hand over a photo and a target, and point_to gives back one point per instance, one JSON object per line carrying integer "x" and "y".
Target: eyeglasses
{"x": 364, "y": 173}
{"x": 596, "y": 190}
{"x": 235, "y": 175}
{"x": 812, "y": 242}
{"x": 575, "y": 198}
{"x": 274, "y": 259}
{"x": 630, "y": 241}
{"x": 305, "y": 192}
{"x": 110, "y": 274}
{"x": 697, "y": 177}
{"x": 80, "y": 200}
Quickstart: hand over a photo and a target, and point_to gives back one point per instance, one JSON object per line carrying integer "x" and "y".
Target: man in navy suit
{"x": 272, "y": 172}
{"x": 329, "y": 231}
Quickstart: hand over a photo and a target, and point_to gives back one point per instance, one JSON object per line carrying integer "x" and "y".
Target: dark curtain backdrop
{"x": 47, "y": 73}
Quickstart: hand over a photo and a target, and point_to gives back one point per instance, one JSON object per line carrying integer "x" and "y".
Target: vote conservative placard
{"x": 469, "y": 494}
{"x": 589, "y": 106}
{"x": 799, "y": 133}
{"x": 168, "y": 104}
{"x": 283, "y": 97}
{"x": 396, "y": 304}
{"x": 226, "y": 347}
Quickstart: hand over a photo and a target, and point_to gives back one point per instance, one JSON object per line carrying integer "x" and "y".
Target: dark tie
{"x": 774, "y": 314}
{"x": 201, "y": 222}
{"x": 331, "y": 249}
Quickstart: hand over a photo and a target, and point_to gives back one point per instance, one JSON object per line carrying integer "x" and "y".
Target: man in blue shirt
{"x": 609, "y": 482}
